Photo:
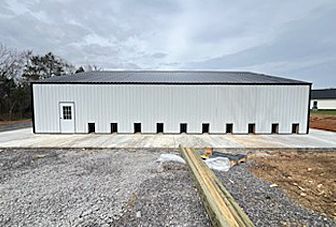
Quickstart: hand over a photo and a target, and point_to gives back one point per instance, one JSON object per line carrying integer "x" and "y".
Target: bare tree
{"x": 69, "y": 68}
{"x": 12, "y": 90}
{"x": 90, "y": 68}
{"x": 18, "y": 69}
{"x": 11, "y": 63}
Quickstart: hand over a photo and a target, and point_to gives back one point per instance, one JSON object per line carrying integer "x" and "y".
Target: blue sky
{"x": 295, "y": 39}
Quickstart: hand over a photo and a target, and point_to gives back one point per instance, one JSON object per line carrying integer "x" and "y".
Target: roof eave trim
{"x": 178, "y": 83}
{"x": 326, "y": 98}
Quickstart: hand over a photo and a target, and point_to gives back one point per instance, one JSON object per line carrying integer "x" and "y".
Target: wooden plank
{"x": 220, "y": 205}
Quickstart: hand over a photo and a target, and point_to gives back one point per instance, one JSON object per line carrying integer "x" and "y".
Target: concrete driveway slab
{"x": 24, "y": 138}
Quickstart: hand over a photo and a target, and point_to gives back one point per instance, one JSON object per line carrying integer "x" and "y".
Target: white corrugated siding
{"x": 324, "y": 104}
{"x": 172, "y": 105}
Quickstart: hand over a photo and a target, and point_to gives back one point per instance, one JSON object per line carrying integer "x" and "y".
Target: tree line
{"x": 18, "y": 69}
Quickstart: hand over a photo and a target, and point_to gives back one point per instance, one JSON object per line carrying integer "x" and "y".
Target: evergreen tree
{"x": 80, "y": 70}
{"x": 18, "y": 69}
{"x": 42, "y": 67}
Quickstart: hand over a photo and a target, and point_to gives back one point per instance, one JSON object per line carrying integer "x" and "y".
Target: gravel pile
{"x": 95, "y": 188}
{"x": 267, "y": 206}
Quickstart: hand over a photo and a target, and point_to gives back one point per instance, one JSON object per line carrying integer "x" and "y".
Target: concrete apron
{"x": 317, "y": 140}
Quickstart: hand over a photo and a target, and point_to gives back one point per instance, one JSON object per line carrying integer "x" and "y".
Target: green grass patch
{"x": 323, "y": 112}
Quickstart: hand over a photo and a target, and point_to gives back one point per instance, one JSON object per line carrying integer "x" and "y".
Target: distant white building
{"x": 323, "y": 99}
{"x": 170, "y": 102}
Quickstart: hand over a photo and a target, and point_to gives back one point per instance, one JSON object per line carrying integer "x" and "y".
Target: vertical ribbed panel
{"x": 324, "y": 104}
{"x": 172, "y": 105}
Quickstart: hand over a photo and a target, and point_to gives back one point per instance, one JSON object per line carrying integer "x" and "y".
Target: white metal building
{"x": 323, "y": 99}
{"x": 170, "y": 102}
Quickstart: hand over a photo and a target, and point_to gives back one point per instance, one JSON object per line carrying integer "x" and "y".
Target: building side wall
{"x": 324, "y": 104}
{"x": 172, "y": 105}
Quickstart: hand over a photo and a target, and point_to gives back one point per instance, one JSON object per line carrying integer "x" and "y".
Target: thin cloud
{"x": 290, "y": 38}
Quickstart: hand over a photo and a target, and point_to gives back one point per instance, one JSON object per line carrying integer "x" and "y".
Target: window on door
{"x": 67, "y": 113}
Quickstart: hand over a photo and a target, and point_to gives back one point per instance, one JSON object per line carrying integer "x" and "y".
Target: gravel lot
{"x": 175, "y": 204}
{"x": 267, "y": 206}
{"x": 95, "y": 188}
{"x": 127, "y": 188}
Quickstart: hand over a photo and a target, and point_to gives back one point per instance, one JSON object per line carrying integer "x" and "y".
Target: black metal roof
{"x": 170, "y": 77}
{"x": 324, "y": 93}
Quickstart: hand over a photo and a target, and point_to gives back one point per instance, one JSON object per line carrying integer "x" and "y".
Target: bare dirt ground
{"x": 323, "y": 121}
{"x": 309, "y": 178}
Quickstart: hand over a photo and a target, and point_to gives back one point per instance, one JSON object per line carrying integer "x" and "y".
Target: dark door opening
{"x": 137, "y": 127}
{"x": 183, "y": 128}
{"x": 229, "y": 128}
{"x": 275, "y": 128}
{"x": 251, "y": 128}
{"x": 295, "y": 128}
{"x": 114, "y": 127}
{"x": 159, "y": 127}
{"x": 315, "y": 107}
{"x": 92, "y": 128}
{"x": 205, "y": 128}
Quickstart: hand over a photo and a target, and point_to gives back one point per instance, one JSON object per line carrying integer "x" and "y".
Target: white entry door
{"x": 67, "y": 117}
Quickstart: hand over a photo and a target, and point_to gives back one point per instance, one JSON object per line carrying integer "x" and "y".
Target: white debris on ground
{"x": 170, "y": 158}
{"x": 218, "y": 163}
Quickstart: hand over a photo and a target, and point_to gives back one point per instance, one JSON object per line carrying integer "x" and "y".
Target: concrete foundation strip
{"x": 220, "y": 205}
